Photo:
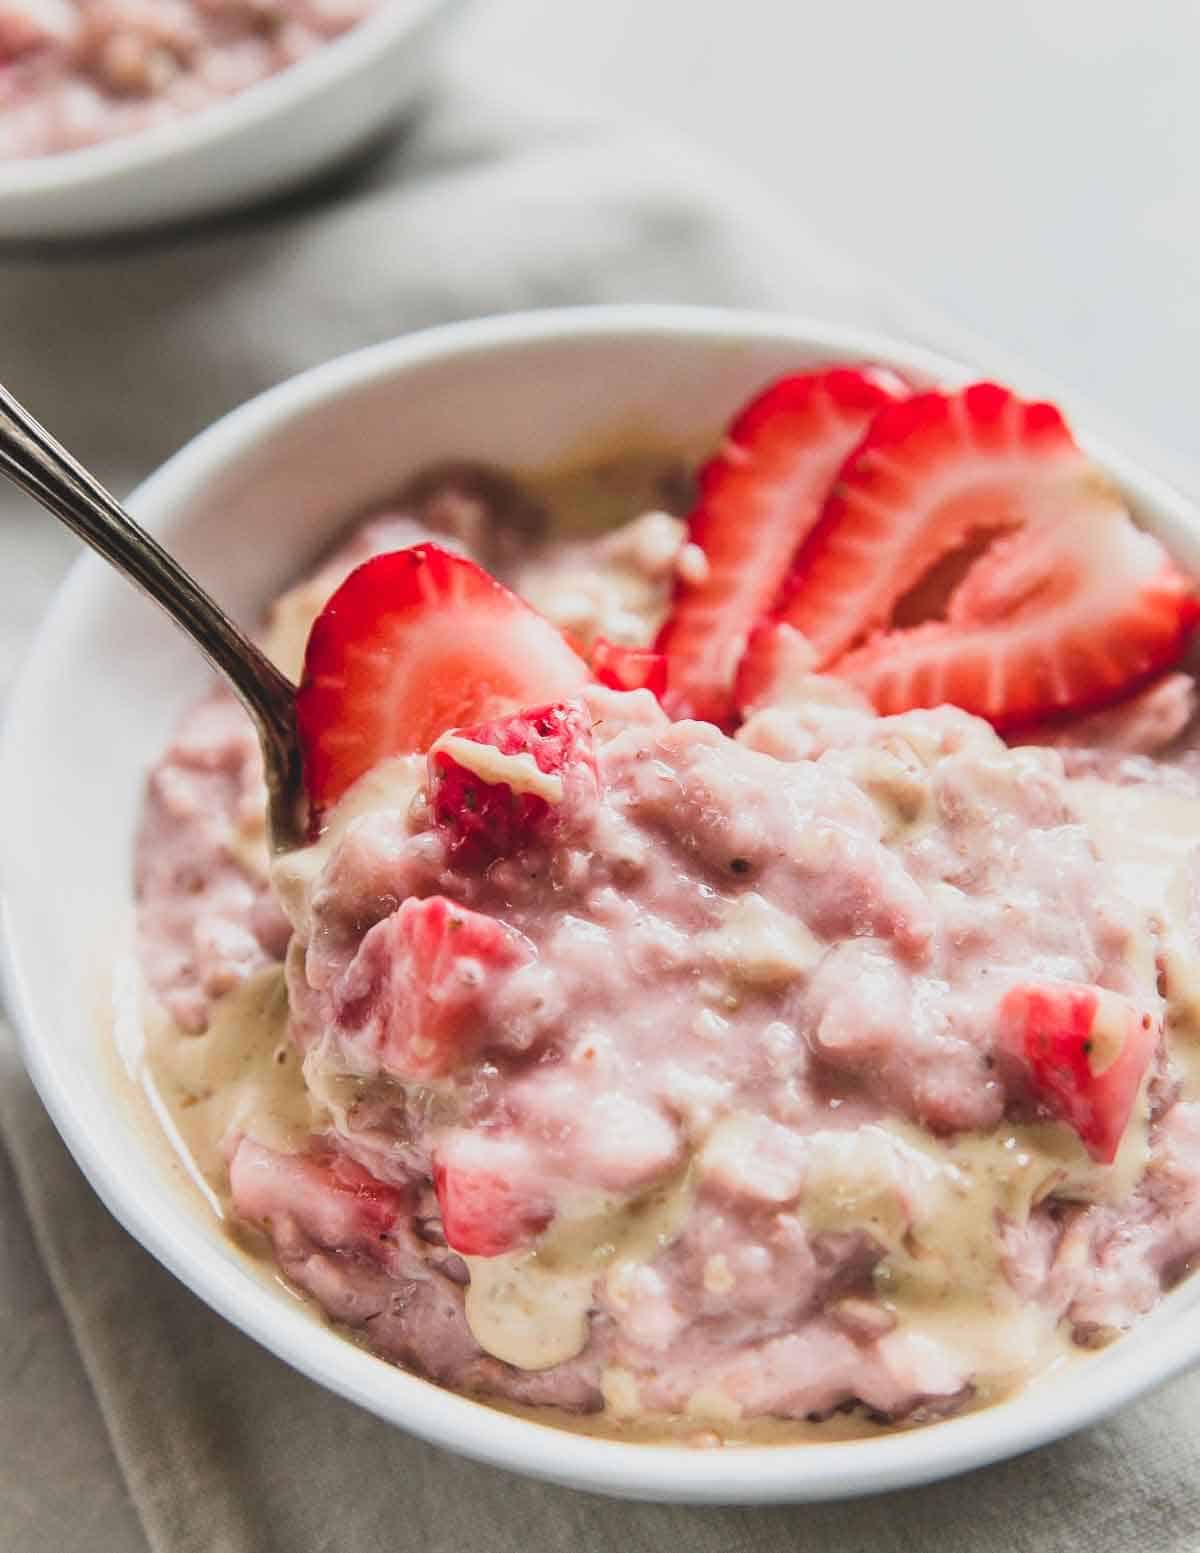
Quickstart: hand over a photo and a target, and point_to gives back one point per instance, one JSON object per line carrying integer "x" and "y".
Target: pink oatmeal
{"x": 74, "y": 73}
{"x": 738, "y": 1133}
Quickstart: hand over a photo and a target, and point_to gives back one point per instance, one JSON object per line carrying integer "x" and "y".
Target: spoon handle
{"x": 34, "y": 460}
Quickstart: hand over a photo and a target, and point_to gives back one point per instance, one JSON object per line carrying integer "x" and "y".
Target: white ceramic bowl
{"x": 247, "y": 504}
{"x": 258, "y": 142}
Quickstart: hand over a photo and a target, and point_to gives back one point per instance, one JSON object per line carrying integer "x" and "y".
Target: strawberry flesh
{"x": 412, "y": 643}
{"x": 1084, "y": 1053}
{"x": 777, "y": 660}
{"x": 1048, "y": 622}
{"x": 932, "y": 471}
{"x": 335, "y": 1200}
{"x": 1064, "y": 606}
{"x": 489, "y": 1199}
{"x": 486, "y": 808}
{"x": 757, "y": 501}
{"x": 418, "y": 990}
{"x": 629, "y": 668}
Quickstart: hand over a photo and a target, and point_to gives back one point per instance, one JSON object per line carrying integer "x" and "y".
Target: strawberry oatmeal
{"x": 77, "y": 72}
{"x": 745, "y": 968}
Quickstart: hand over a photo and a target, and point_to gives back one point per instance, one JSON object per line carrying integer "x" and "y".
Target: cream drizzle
{"x": 242, "y": 1076}
{"x": 530, "y": 1308}
{"x": 392, "y": 785}
{"x": 521, "y": 773}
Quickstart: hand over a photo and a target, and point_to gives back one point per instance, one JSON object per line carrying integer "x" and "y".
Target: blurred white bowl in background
{"x": 259, "y": 142}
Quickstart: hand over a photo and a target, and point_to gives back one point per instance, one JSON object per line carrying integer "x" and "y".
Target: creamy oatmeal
{"x": 713, "y": 1101}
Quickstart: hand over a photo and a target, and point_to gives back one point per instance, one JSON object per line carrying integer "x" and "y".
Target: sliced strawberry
{"x": 628, "y": 668}
{"x": 758, "y": 499}
{"x": 934, "y": 472}
{"x": 412, "y": 643}
{"x": 1064, "y": 604}
{"x": 498, "y": 787}
{"x": 418, "y": 990}
{"x": 489, "y": 1195}
{"x": 1084, "y": 1052}
{"x": 1049, "y": 621}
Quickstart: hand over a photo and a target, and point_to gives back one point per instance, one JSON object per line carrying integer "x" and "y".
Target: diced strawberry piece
{"x": 1064, "y": 605}
{"x": 628, "y": 668}
{"x": 333, "y": 1200}
{"x": 757, "y": 501}
{"x": 489, "y": 1198}
{"x": 1084, "y": 1051}
{"x": 528, "y": 771}
{"x": 421, "y": 983}
{"x": 412, "y": 643}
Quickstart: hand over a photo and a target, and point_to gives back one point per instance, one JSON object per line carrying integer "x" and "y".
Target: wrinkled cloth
{"x": 131, "y": 1416}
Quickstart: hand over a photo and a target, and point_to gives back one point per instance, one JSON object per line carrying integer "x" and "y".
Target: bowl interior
{"x": 247, "y": 506}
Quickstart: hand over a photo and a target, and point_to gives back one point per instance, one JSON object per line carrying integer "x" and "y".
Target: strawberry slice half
{"x": 757, "y": 500}
{"x": 1062, "y": 605}
{"x": 1049, "y": 623}
{"x": 934, "y": 472}
{"x": 414, "y": 642}
{"x": 628, "y": 668}
{"x": 1084, "y": 1052}
{"x": 498, "y": 787}
{"x": 418, "y": 990}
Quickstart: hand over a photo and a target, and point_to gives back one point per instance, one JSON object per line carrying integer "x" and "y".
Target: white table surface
{"x": 1030, "y": 168}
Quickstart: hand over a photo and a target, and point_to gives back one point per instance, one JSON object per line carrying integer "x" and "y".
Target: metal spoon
{"x": 31, "y": 458}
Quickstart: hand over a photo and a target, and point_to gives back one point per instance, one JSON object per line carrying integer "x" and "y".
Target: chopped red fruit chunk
{"x": 333, "y": 1199}
{"x": 1059, "y": 604}
{"x": 412, "y": 643}
{"x": 498, "y": 787}
{"x": 628, "y": 668}
{"x": 758, "y": 499}
{"x": 421, "y": 982}
{"x": 1084, "y": 1052}
{"x": 489, "y": 1197}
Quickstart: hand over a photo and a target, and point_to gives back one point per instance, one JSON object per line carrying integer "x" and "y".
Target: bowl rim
{"x": 739, "y": 1474}
{"x": 208, "y": 129}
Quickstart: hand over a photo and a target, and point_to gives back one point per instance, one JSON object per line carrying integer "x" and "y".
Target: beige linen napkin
{"x": 131, "y": 1417}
